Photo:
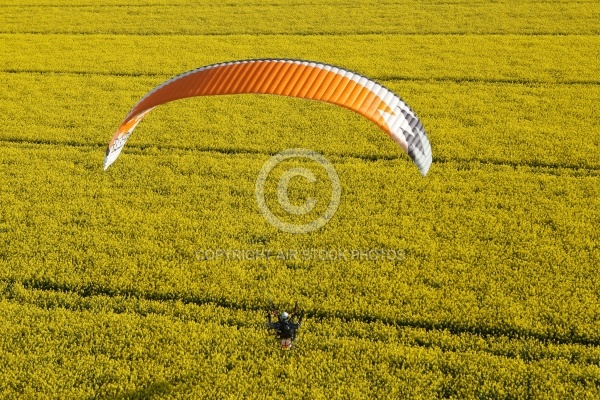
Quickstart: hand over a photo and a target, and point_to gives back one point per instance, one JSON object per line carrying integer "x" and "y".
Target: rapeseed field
{"x": 106, "y": 289}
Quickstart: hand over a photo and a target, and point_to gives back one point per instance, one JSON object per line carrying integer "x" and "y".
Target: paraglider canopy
{"x": 294, "y": 78}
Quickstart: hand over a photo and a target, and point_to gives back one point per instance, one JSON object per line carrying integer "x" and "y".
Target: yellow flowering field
{"x": 153, "y": 278}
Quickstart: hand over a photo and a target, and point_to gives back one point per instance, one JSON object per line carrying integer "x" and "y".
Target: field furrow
{"x": 95, "y": 363}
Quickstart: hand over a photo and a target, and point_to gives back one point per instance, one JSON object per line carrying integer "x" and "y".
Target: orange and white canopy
{"x": 302, "y": 79}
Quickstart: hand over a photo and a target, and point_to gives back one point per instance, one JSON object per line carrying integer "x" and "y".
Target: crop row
{"x": 510, "y": 58}
{"x": 308, "y": 18}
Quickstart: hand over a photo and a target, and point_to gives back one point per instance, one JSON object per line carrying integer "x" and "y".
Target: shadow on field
{"x": 148, "y": 392}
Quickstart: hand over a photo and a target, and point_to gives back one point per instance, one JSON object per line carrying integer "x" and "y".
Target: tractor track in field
{"x": 133, "y": 149}
{"x": 458, "y": 80}
{"x": 96, "y": 291}
{"x": 300, "y": 33}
